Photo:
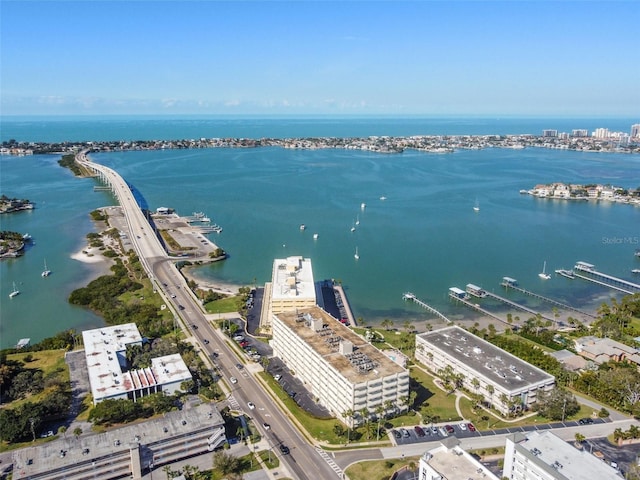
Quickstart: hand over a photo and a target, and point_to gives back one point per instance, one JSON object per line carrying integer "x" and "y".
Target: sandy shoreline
{"x": 216, "y": 286}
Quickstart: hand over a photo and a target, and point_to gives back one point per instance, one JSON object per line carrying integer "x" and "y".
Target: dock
{"x": 517, "y": 306}
{"x": 462, "y": 297}
{"x": 588, "y": 272}
{"x": 410, "y": 296}
{"x": 508, "y": 282}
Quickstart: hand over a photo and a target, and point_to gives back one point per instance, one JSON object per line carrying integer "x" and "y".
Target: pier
{"x": 517, "y": 306}
{"x": 508, "y": 282}
{"x": 462, "y": 297}
{"x": 410, "y": 296}
{"x": 589, "y": 272}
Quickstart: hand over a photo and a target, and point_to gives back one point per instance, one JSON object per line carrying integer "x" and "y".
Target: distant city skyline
{"x": 556, "y": 58}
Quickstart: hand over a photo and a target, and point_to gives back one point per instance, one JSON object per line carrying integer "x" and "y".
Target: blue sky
{"x": 305, "y": 57}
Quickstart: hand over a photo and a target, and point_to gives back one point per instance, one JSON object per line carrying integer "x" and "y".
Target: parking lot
{"x": 432, "y": 433}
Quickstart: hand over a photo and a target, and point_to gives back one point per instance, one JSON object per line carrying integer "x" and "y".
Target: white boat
{"x": 356, "y": 256}
{"x": 303, "y": 227}
{"x": 566, "y": 273}
{"x": 357, "y": 220}
{"x": 315, "y": 236}
{"x": 26, "y": 237}
{"x": 544, "y": 275}
{"x": 46, "y": 272}
{"x": 383, "y": 198}
{"x": 15, "y": 291}
{"x": 635, "y": 270}
{"x": 476, "y": 207}
{"x": 363, "y": 206}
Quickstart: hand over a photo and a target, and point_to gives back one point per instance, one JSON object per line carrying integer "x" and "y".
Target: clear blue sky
{"x": 305, "y": 57}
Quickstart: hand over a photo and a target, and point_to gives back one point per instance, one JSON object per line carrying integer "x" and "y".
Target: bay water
{"x": 424, "y": 237}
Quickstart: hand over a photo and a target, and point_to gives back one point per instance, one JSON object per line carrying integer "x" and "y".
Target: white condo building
{"x": 505, "y": 381}
{"x": 105, "y": 352}
{"x": 340, "y": 369}
{"x": 450, "y": 462}
{"x": 292, "y": 284}
{"x": 635, "y": 130}
{"x": 544, "y": 456}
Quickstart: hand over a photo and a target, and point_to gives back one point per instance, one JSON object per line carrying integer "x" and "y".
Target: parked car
{"x": 419, "y": 431}
{"x": 277, "y": 377}
{"x": 449, "y": 429}
{"x": 471, "y": 427}
{"x": 585, "y": 421}
{"x": 396, "y": 433}
{"x": 238, "y": 338}
{"x": 405, "y": 432}
{"x": 463, "y": 426}
{"x": 434, "y": 430}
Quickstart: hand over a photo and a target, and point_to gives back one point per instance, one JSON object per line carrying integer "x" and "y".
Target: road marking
{"x": 333, "y": 465}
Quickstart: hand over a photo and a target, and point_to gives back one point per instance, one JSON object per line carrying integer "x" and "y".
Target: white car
{"x": 277, "y": 378}
{"x": 233, "y": 380}
{"x": 463, "y": 426}
{"x": 251, "y": 405}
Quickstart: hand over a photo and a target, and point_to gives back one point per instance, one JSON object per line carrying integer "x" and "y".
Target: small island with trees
{"x": 9, "y": 205}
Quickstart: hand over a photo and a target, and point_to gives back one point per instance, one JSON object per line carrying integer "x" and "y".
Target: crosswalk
{"x": 334, "y": 466}
{"x": 233, "y": 403}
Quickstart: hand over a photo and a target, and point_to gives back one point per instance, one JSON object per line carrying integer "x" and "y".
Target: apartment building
{"x": 544, "y": 456}
{"x": 344, "y": 372}
{"x": 105, "y": 352}
{"x": 505, "y": 381}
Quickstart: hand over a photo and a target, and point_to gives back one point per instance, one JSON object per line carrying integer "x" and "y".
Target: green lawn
{"x": 432, "y": 399}
{"x": 224, "y": 305}
{"x": 379, "y": 469}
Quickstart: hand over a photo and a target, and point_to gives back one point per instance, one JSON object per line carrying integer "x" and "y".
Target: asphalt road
{"x": 303, "y": 461}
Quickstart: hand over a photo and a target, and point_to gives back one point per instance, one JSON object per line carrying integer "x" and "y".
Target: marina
{"x": 589, "y": 272}
{"x": 410, "y": 296}
{"x": 508, "y": 282}
{"x": 463, "y": 297}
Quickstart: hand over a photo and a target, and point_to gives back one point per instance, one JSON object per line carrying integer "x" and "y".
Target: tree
{"x": 579, "y": 437}
{"x": 62, "y": 430}
{"x": 490, "y": 390}
{"x": 348, "y": 415}
{"x": 226, "y": 463}
{"x": 386, "y": 324}
{"x": 77, "y": 432}
{"x": 556, "y": 404}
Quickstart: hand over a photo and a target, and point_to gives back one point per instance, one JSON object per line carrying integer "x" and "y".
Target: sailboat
{"x": 476, "y": 207}
{"x": 353, "y": 227}
{"x": 46, "y": 272}
{"x": 15, "y": 291}
{"x": 356, "y": 256}
{"x": 544, "y": 275}
{"x": 357, "y": 219}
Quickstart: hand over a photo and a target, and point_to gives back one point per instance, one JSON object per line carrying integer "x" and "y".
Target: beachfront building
{"x": 602, "y": 350}
{"x": 449, "y": 461}
{"x": 506, "y": 382}
{"x": 292, "y": 284}
{"x": 341, "y": 370}
{"x": 105, "y": 352}
{"x": 544, "y": 456}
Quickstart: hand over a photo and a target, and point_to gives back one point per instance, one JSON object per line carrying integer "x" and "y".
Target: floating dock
{"x": 508, "y": 282}
{"x": 410, "y": 296}
{"x": 589, "y": 272}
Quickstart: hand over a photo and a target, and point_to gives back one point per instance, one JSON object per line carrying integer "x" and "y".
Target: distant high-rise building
{"x": 549, "y": 133}
{"x": 601, "y": 133}
{"x": 635, "y": 130}
{"x": 582, "y": 132}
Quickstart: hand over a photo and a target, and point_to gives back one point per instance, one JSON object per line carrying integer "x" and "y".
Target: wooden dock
{"x": 507, "y": 285}
{"x": 410, "y": 296}
{"x": 589, "y": 272}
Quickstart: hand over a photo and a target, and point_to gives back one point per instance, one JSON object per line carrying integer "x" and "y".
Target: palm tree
{"x": 77, "y": 432}
{"x": 379, "y": 412}
{"x": 386, "y": 324}
{"x": 490, "y": 390}
{"x": 348, "y": 415}
{"x": 407, "y": 325}
{"x": 476, "y": 384}
{"x": 579, "y": 437}
{"x": 62, "y": 430}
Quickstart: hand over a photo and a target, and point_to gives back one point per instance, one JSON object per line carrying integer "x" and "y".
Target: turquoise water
{"x": 425, "y": 237}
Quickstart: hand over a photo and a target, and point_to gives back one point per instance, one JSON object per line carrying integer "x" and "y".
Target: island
{"x": 8, "y": 205}
{"x": 12, "y": 243}
{"x": 592, "y": 191}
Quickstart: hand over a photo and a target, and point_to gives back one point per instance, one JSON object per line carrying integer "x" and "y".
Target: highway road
{"x": 303, "y": 461}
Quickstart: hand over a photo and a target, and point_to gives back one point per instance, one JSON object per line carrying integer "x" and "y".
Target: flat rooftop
{"x": 292, "y": 278}
{"x": 455, "y": 464}
{"x": 170, "y": 426}
{"x": 485, "y": 359}
{"x": 561, "y": 457}
{"x": 326, "y": 344}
